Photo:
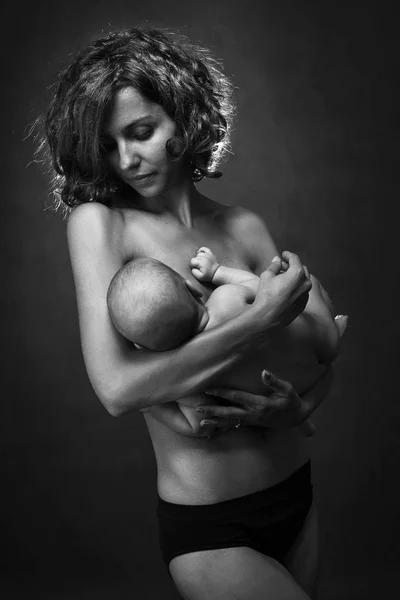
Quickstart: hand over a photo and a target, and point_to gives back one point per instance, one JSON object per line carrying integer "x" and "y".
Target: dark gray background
{"x": 316, "y": 154}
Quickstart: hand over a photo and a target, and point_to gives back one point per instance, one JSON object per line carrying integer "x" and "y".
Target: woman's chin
{"x": 149, "y": 193}
{"x": 145, "y": 192}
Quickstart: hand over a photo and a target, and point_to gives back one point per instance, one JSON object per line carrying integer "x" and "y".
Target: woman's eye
{"x": 144, "y": 134}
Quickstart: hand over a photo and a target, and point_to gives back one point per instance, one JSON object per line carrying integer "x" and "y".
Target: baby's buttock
{"x": 233, "y": 464}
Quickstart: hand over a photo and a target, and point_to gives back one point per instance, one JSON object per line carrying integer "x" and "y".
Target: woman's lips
{"x": 140, "y": 179}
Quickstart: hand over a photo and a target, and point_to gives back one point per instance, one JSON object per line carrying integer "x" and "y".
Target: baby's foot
{"x": 204, "y": 264}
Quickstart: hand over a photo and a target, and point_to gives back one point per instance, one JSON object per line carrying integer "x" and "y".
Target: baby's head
{"x": 153, "y": 306}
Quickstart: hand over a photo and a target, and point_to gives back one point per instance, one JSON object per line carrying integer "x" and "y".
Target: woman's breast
{"x": 234, "y": 463}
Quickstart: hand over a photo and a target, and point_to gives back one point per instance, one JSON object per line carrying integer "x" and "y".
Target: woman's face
{"x": 135, "y": 137}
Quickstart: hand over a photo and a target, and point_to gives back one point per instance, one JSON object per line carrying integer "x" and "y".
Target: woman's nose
{"x": 128, "y": 157}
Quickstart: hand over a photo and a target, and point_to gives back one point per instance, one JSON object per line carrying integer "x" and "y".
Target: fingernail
{"x": 200, "y": 410}
{"x": 211, "y": 392}
{"x": 275, "y": 259}
{"x": 266, "y": 374}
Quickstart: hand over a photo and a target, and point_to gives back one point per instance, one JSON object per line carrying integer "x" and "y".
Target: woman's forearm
{"x": 146, "y": 378}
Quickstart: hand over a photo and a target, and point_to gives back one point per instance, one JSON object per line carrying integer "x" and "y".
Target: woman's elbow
{"x": 113, "y": 409}
{"x": 114, "y": 401}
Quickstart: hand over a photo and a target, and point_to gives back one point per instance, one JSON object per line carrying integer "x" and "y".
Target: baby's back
{"x": 290, "y": 354}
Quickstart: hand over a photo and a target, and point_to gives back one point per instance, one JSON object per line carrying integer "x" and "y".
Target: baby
{"x": 154, "y": 307}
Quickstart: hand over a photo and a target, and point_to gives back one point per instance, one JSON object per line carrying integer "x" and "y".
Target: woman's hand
{"x": 281, "y": 407}
{"x": 282, "y": 292}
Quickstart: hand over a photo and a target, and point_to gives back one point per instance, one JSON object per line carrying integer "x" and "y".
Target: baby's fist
{"x": 204, "y": 264}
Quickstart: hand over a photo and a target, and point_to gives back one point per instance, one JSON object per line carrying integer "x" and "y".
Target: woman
{"x": 133, "y": 123}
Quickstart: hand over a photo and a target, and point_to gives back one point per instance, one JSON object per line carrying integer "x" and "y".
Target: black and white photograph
{"x": 201, "y": 300}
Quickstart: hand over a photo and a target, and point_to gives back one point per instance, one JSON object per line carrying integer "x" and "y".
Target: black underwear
{"x": 268, "y": 521}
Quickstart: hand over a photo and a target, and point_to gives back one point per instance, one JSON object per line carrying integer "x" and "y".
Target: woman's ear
{"x": 193, "y": 289}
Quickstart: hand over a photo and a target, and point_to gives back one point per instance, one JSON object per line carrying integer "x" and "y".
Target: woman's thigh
{"x": 302, "y": 560}
{"x": 233, "y": 574}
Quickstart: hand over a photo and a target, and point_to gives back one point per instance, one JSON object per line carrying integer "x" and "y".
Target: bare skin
{"x": 166, "y": 218}
{"x": 296, "y": 353}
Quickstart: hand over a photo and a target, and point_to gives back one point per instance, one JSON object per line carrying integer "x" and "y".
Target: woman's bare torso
{"x": 195, "y": 470}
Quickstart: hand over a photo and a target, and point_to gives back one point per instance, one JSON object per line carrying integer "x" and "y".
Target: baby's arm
{"x": 205, "y": 267}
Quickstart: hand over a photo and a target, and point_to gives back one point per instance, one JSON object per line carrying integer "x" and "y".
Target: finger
{"x": 243, "y": 400}
{"x": 292, "y": 259}
{"x": 275, "y": 383}
{"x": 274, "y": 267}
{"x": 219, "y": 423}
{"x": 341, "y": 323}
{"x": 282, "y": 388}
{"x": 197, "y": 273}
{"x": 234, "y": 396}
{"x": 284, "y": 266}
{"x": 226, "y": 412}
{"x": 207, "y": 428}
{"x": 297, "y": 272}
{"x": 269, "y": 390}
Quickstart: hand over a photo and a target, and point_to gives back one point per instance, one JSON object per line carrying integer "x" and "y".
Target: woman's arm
{"x": 281, "y": 406}
{"x": 126, "y": 379}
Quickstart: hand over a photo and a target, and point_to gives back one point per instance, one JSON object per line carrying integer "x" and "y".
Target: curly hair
{"x": 167, "y": 69}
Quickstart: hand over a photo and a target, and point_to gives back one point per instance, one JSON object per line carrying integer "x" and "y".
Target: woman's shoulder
{"x": 90, "y": 212}
{"x": 94, "y": 229}
{"x": 92, "y": 219}
{"x": 241, "y": 221}
{"x": 225, "y": 214}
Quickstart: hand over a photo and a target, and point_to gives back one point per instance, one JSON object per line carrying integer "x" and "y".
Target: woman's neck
{"x": 181, "y": 202}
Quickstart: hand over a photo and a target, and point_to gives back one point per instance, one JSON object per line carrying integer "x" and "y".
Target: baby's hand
{"x": 204, "y": 264}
